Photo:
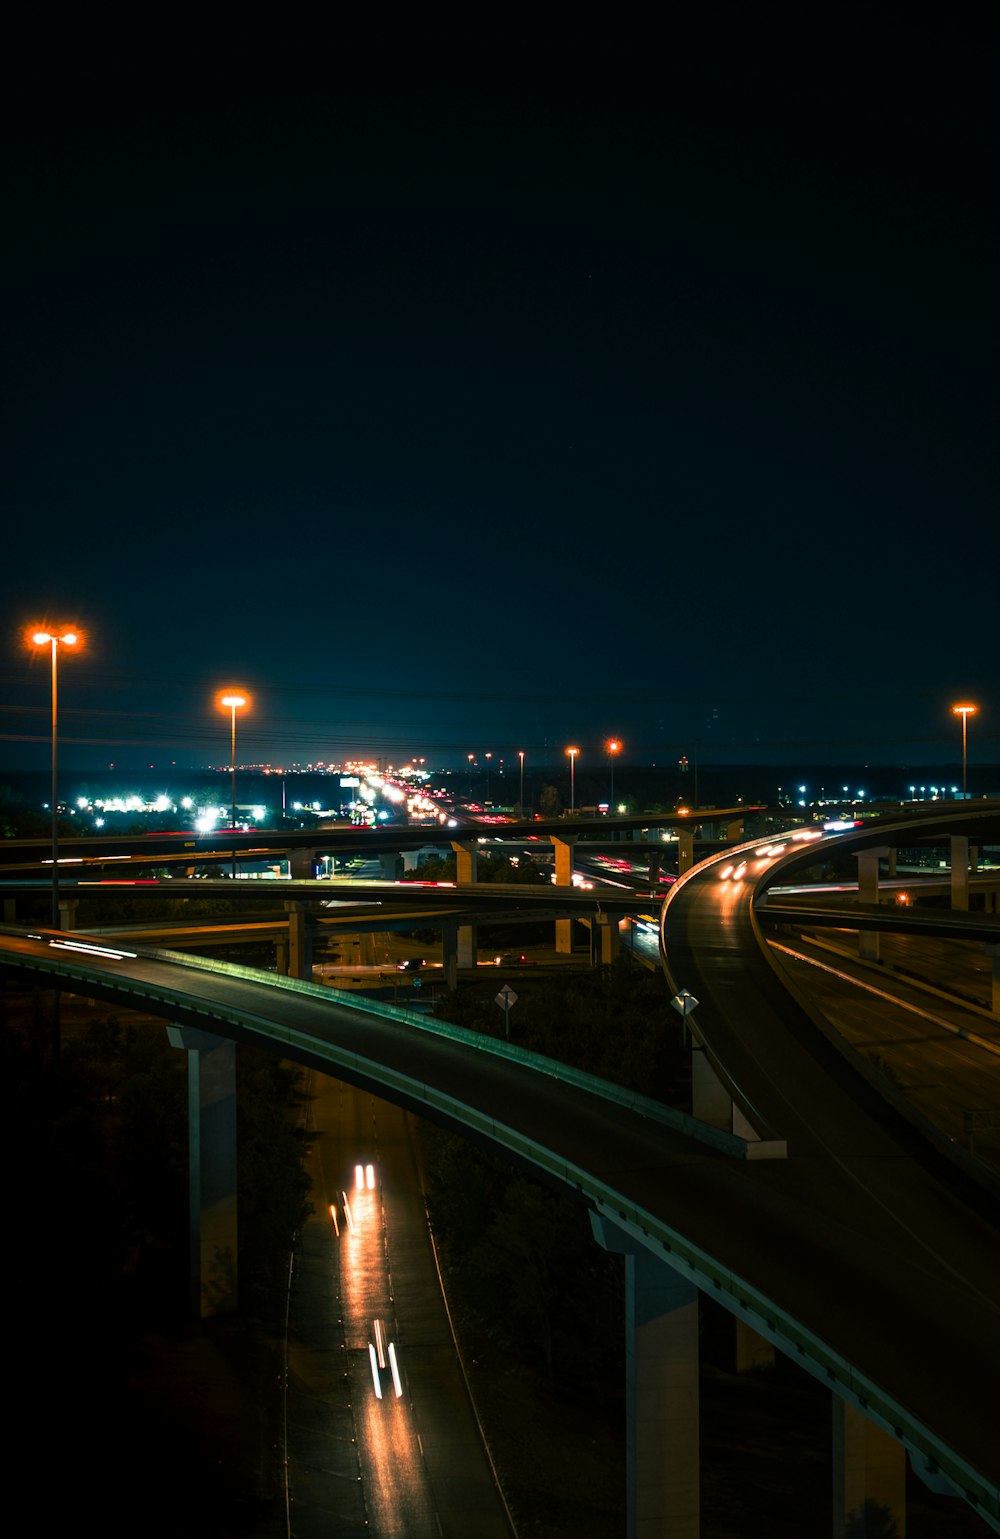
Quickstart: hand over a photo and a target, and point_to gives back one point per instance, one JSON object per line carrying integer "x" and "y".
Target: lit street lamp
{"x": 614, "y": 748}
{"x": 68, "y": 639}
{"x": 965, "y": 711}
{"x": 233, "y": 701}
{"x": 520, "y": 755}
{"x": 572, "y": 777}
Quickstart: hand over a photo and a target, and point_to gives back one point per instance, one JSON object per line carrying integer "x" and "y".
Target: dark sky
{"x": 460, "y": 390}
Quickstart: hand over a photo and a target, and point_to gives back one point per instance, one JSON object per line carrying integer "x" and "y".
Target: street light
{"x": 965, "y": 711}
{"x": 233, "y": 702}
{"x": 520, "y": 755}
{"x": 572, "y": 777}
{"x": 614, "y": 748}
{"x": 67, "y": 639}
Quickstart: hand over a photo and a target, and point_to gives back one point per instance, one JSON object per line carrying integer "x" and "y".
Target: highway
{"x": 380, "y": 1434}
{"x": 852, "y": 1254}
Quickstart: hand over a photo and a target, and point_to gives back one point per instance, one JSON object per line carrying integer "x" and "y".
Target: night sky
{"x": 465, "y": 390}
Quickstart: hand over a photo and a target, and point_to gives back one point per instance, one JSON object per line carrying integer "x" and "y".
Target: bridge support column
{"x": 869, "y": 1475}
{"x": 993, "y": 952}
{"x": 465, "y": 873}
{"x": 562, "y": 849}
{"x": 212, "y": 1170}
{"x": 750, "y": 1350}
{"x": 604, "y": 940}
{"x": 299, "y": 941}
{"x": 661, "y": 1369}
{"x": 281, "y": 956}
{"x": 710, "y": 1100}
{"x": 734, "y": 830}
{"x": 67, "y": 913}
{"x": 301, "y": 865}
{"x": 960, "y": 871}
{"x": 685, "y": 850}
{"x": 390, "y": 866}
{"x": 449, "y": 954}
{"x": 868, "y": 868}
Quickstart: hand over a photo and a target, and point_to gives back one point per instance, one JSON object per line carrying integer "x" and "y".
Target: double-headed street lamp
{"x": 233, "y": 700}
{"x": 965, "y": 711}
{"x": 572, "y": 777}
{"x": 50, "y": 639}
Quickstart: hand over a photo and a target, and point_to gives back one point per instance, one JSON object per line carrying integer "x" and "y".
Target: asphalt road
{"x": 361, "y": 1461}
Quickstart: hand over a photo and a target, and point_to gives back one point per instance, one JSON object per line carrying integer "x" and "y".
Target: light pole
{"x": 520, "y": 755}
{"x": 965, "y": 711}
{"x": 67, "y": 639}
{"x": 471, "y": 758}
{"x": 488, "y": 758}
{"x": 233, "y": 701}
{"x": 614, "y": 749}
{"x": 572, "y": 777}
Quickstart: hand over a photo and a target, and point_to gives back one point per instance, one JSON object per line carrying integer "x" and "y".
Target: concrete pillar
{"x": 562, "y": 849}
{"x": 301, "y": 865}
{"x": 868, "y": 872}
{"x": 390, "y": 863}
{"x": 281, "y": 955}
{"x": 607, "y": 939}
{"x": 710, "y": 1100}
{"x": 654, "y": 867}
{"x": 960, "y": 871}
{"x": 299, "y": 940}
{"x": 734, "y": 830}
{"x": 661, "y": 1370}
{"x": 750, "y": 1350}
{"x": 67, "y": 913}
{"x": 685, "y": 850}
{"x": 466, "y": 852}
{"x": 993, "y": 952}
{"x": 214, "y": 1273}
{"x": 449, "y": 954}
{"x": 869, "y": 1475}
{"x": 10, "y": 911}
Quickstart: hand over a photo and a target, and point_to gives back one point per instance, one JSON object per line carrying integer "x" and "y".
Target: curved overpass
{"x": 849, "y": 1255}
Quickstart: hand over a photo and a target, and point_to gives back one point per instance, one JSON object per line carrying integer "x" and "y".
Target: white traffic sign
{"x": 506, "y": 997}
{"x": 684, "y": 1002}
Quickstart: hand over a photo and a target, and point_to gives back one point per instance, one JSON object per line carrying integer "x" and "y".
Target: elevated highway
{"x": 870, "y": 1254}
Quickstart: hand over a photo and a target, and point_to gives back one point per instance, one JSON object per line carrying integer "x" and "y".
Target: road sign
{"x": 684, "y": 1002}
{"x": 505, "y": 999}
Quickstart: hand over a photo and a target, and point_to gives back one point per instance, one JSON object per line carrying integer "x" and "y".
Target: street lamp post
{"x": 614, "y": 749}
{"x": 572, "y": 777}
{"x": 233, "y": 701}
{"x": 68, "y": 639}
{"x": 965, "y": 711}
{"x": 520, "y": 755}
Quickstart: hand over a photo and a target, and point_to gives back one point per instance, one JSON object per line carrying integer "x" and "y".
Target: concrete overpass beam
{"x": 869, "y": 1476}
{"x": 661, "y": 1371}
{"x": 960, "y": 871}
{"x": 213, "y": 1275}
